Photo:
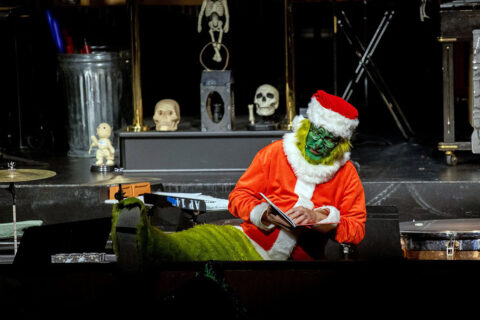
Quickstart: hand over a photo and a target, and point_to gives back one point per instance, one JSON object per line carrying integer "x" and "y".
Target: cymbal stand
{"x": 119, "y": 195}
{"x": 11, "y": 189}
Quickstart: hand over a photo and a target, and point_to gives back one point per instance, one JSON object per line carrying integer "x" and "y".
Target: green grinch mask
{"x": 319, "y": 143}
{"x": 319, "y": 146}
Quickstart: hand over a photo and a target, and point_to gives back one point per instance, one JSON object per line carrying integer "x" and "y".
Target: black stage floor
{"x": 243, "y": 290}
{"x": 412, "y": 177}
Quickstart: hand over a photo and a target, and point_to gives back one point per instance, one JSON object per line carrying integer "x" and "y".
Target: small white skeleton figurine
{"x": 214, "y": 10}
{"x": 166, "y": 115}
{"x": 105, "y": 149}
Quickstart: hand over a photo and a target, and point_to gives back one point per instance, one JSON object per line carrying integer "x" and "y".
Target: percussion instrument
{"x": 446, "y": 239}
{"x": 12, "y": 175}
{"x": 22, "y": 175}
{"x": 119, "y": 179}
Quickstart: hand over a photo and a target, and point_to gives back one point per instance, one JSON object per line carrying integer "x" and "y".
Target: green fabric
{"x": 200, "y": 243}
{"x": 117, "y": 208}
{"x": 301, "y": 134}
{"x": 6, "y": 229}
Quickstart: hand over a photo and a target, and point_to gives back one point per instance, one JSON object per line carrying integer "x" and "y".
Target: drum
{"x": 447, "y": 239}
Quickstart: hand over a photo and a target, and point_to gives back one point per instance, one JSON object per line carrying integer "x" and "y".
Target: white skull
{"x": 167, "y": 115}
{"x": 266, "y": 100}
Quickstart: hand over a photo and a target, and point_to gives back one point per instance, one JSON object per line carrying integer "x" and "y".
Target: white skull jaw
{"x": 266, "y": 100}
{"x": 167, "y": 115}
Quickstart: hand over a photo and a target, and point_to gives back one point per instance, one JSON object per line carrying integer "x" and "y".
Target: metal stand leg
{"x": 367, "y": 52}
{"x": 367, "y": 65}
{"x": 475, "y": 137}
{"x": 11, "y": 189}
{"x": 119, "y": 195}
{"x": 448, "y": 95}
{"x": 345, "y": 250}
{"x": 449, "y": 143}
{"x": 334, "y": 65}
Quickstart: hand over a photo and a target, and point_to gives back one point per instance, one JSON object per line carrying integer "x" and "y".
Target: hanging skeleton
{"x": 214, "y": 10}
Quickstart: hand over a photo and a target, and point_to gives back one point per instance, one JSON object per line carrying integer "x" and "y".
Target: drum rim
{"x": 442, "y": 231}
{"x": 442, "y": 234}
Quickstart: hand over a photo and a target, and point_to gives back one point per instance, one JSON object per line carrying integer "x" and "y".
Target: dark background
{"x": 408, "y": 57}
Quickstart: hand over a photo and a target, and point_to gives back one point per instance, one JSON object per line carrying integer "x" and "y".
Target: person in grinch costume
{"x": 308, "y": 174}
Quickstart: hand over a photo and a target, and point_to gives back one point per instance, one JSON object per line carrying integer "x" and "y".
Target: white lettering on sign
{"x": 190, "y": 204}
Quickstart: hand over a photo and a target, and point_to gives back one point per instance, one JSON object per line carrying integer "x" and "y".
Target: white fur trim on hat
{"x": 330, "y": 120}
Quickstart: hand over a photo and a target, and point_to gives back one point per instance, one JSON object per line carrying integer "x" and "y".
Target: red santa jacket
{"x": 281, "y": 173}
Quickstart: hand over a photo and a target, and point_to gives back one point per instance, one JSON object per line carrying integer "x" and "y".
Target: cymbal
{"x": 18, "y": 175}
{"x": 121, "y": 179}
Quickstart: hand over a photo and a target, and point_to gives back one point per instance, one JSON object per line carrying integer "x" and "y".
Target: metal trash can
{"x": 93, "y": 85}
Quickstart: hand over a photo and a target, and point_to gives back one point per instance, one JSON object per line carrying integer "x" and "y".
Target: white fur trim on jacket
{"x": 333, "y": 216}
{"x": 304, "y": 190}
{"x": 330, "y": 120}
{"x": 283, "y": 246}
{"x": 311, "y": 173}
{"x": 256, "y": 216}
{"x": 281, "y": 249}
{"x": 264, "y": 254}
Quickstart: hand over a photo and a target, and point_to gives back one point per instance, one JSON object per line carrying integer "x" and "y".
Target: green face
{"x": 319, "y": 143}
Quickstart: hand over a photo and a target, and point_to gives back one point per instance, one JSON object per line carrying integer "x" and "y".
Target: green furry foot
{"x": 126, "y": 225}
{"x": 139, "y": 245}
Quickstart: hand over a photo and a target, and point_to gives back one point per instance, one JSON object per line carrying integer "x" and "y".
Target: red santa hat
{"x": 333, "y": 114}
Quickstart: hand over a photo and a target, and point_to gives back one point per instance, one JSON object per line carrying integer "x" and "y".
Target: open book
{"x": 278, "y": 211}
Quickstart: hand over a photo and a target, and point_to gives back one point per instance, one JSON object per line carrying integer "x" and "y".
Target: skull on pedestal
{"x": 167, "y": 115}
{"x": 266, "y": 100}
